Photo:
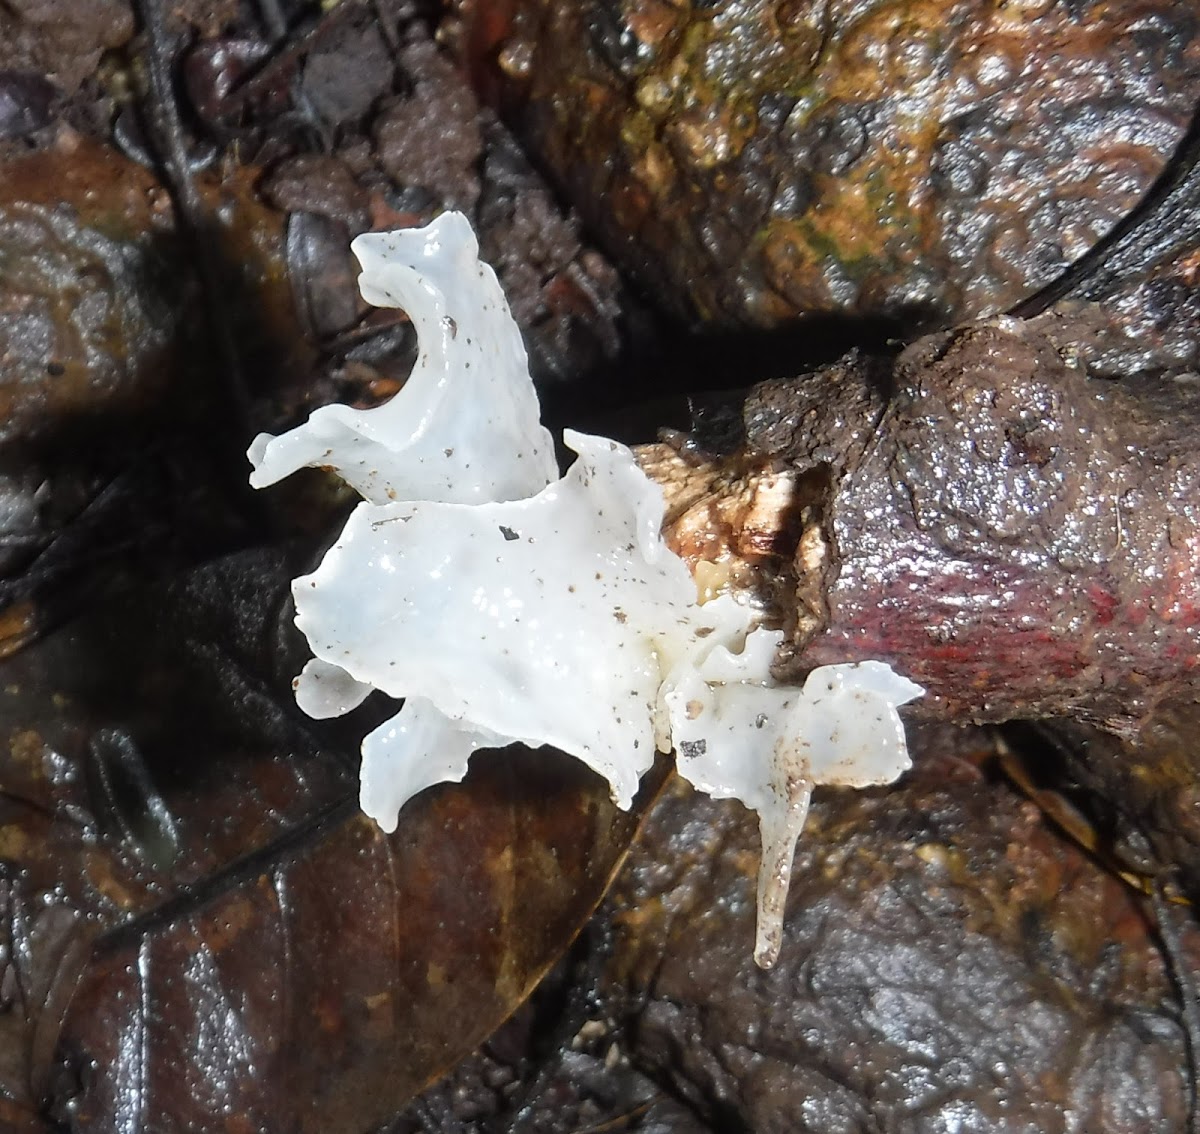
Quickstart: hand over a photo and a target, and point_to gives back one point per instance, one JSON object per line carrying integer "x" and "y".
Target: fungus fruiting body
{"x": 505, "y": 603}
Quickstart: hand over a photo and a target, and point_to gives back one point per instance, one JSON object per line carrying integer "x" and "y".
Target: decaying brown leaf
{"x": 199, "y": 929}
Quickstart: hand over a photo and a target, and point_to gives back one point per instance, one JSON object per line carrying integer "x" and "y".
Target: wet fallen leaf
{"x": 199, "y": 929}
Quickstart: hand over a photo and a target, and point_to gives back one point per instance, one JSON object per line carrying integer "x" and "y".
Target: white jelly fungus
{"x": 466, "y": 428}
{"x": 505, "y": 603}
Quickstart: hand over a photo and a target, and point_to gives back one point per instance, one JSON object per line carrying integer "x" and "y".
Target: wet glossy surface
{"x": 751, "y": 160}
{"x": 1021, "y": 541}
{"x": 950, "y": 964}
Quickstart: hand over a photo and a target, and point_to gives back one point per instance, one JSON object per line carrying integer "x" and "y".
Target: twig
{"x": 1160, "y": 228}
{"x": 1185, "y": 982}
{"x": 165, "y": 130}
{"x": 192, "y": 896}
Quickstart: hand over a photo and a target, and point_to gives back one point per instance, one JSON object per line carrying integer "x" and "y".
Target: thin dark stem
{"x": 1160, "y": 228}
{"x": 188, "y": 899}
{"x": 169, "y": 141}
{"x": 1171, "y": 936}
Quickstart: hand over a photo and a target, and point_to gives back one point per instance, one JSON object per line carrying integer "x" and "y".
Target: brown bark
{"x": 757, "y": 161}
{"x": 1021, "y": 540}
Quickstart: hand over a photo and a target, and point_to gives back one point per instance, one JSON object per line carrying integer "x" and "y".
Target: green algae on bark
{"x": 751, "y": 162}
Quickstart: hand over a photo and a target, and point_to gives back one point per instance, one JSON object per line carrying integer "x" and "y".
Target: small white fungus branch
{"x": 507, "y": 604}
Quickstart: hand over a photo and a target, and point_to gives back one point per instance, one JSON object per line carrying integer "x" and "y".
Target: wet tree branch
{"x": 1021, "y": 540}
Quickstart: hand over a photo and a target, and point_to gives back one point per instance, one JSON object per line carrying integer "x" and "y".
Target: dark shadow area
{"x": 135, "y": 475}
{"x": 663, "y": 383}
